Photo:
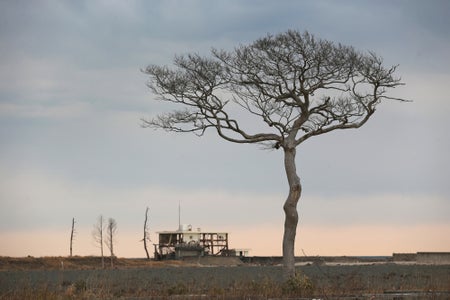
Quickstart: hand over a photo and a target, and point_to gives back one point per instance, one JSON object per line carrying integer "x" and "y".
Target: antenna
{"x": 179, "y": 214}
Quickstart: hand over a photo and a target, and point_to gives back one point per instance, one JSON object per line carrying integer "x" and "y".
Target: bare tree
{"x": 97, "y": 234}
{"x": 110, "y": 238}
{"x": 299, "y": 86}
{"x": 72, "y": 235}
{"x": 146, "y": 234}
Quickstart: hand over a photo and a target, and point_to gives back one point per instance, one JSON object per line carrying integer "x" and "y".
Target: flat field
{"x": 83, "y": 278}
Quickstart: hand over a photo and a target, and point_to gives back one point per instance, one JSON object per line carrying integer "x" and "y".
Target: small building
{"x": 188, "y": 242}
{"x": 241, "y": 252}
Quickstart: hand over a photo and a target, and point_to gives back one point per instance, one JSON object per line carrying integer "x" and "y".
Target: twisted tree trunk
{"x": 290, "y": 210}
{"x": 146, "y": 237}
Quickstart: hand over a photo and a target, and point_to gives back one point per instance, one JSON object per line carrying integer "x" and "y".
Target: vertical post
{"x": 226, "y": 242}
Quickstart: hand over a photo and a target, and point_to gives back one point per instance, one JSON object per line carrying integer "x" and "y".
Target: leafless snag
{"x": 299, "y": 86}
{"x": 110, "y": 238}
{"x": 72, "y": 235}
{"x": 146, "y": 234}
{"x": 97, "y": 235}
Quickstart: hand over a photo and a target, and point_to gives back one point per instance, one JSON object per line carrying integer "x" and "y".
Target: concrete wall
{"x": 396, "y": 257}
{"x": 441, "y": 258}
{"x": 437, "y": 258}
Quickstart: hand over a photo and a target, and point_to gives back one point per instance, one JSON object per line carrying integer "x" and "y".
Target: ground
{"x": 216, "y": 278}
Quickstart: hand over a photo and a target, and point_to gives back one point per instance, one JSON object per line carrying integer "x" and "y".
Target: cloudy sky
{"x": 72, "y": 95}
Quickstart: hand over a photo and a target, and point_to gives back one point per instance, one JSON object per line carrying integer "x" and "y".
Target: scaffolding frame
{"x": 179, "y": 244}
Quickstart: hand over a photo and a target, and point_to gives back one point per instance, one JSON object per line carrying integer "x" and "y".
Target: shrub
{"x": 299, "y": 285}
{"x": 177, "y": 289}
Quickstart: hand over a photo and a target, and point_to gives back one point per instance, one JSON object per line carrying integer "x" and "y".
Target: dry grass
{"x": 78, "y": 263}
{"x": 43, "y": 278}
{"x": 264, "y": 289}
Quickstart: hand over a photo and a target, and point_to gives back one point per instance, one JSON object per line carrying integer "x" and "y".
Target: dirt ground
{"x": 143, "y": 278}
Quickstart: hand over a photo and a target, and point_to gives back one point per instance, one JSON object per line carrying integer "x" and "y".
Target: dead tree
{"x": 97, "y": 234}
{"x": 146, "y": 234}
{"x": 297, "y": 85}
{"x": 110, "y": 238}
{"x": 72, "y": 235}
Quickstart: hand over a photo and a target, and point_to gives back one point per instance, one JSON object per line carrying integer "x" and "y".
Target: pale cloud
{"x": 27, "y": 196}
{"x": 372, "y": 209}
{"x": 24, "y": 78}
{"x": 72, "y": 94}
{"x": 430, "y": 96}
{"x": 50, "y": 86}
{"x": 59, "y": 111}
{"x": 350, "y": 225}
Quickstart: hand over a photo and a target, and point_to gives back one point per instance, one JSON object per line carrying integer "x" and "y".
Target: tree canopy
{"x": 295, "y": 83}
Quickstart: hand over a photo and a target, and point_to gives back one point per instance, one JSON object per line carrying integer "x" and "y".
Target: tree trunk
{"x": 111, "y": 245}
{"x": 290, "y": 210}
{"x": 145, "y": 233}
{"x": 101, "y": 241}
{"x": 71, "y": 235}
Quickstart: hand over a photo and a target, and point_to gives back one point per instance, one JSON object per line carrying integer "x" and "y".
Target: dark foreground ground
{"x": 194, "y": 281}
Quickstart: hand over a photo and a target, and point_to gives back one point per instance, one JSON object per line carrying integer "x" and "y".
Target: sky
{"x": 72, "y": 95}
